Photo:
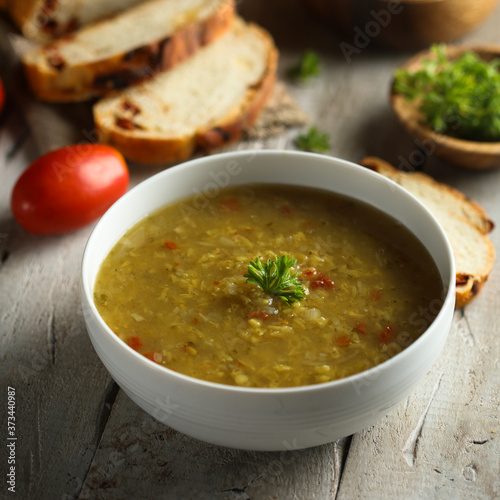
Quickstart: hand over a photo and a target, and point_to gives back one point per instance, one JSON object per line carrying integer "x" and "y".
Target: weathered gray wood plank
{"x": 162, "y": 463}
{"x": 442, "y": 442}
{"x": 45, "y": 353}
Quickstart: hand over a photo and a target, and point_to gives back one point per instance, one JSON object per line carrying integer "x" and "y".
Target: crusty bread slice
{"x": 44, "y": 20}
{"x": 464, "y": 221}
{"x": 125, "y": 49}
{"x": 207, "y": 101}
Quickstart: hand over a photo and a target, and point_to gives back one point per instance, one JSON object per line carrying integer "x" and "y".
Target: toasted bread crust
{"x": 468, "y": 284}
{"x": 44, "y": 21}
{"x": 21, "y": 10}
{"x": 36, "y": 20}
{"x": 153, "y": 150}
{"x": 59, "y": 82}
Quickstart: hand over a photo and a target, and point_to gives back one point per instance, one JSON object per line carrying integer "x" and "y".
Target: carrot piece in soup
{"x": 259, "y": 314}
{"x": 343, "y": 341}
{"x": 361, "y": 327}
{"x": 230, "y": 204}
{"x": 153, "y": 356}
{"x": 134, "y": 342}
{"x": 322, "y": 282}
{"x": 309, "y": 272}
{"x": 387, "y": 335}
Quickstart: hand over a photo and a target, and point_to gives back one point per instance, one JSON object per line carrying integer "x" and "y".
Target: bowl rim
{"x": 447, "y": 301}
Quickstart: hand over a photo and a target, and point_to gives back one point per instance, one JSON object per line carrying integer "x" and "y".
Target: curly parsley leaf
{"x": 274, "y": 277}
{"x": 457, "y": 97}
{"x": 308, "y": 66}
{"x": 313, "y": 140}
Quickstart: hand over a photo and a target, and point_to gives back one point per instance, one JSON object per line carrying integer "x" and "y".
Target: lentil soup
{"x": 173, "y": 287}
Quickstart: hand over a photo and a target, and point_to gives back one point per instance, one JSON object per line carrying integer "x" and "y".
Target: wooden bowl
{"x": 408, "y": 24}
{"x": 471, "y": 155}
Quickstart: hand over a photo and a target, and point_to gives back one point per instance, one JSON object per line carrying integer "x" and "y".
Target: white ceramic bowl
{"x": 267, "y": 419}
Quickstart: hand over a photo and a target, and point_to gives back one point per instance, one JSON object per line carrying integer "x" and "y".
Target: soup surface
{"x": 173, "y": 287}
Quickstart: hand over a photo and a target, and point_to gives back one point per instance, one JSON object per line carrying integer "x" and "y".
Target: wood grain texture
{"x": 439, "y": 442}
{"x": 187, "y": 468}
{"x": 82, "y": 438}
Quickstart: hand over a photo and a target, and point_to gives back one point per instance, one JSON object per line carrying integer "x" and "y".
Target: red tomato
{"x": 2, "y": 95}
{"x": 68, "y": 188}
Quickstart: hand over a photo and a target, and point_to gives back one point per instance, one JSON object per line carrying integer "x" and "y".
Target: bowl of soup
{"x": 268, "y": 300}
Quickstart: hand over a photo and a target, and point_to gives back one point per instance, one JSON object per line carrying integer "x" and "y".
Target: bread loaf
{"x": 206, "y": 101}
{"x": 44, "y": 20}
{"x": 125, "y": 49}
{"x": 465, "y": 223}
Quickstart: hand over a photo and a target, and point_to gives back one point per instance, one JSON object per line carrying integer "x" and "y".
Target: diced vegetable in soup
{"x": 174, "y": 289}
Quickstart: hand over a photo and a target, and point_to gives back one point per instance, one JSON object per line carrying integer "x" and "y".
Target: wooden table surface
{"x": 80, "y": 437}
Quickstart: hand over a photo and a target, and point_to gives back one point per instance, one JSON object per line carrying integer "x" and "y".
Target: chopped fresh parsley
{"x": 313, "y": 140}
{"x": 459, "y": 97}
{"x": 307, "y": 67}
{"x": 274, "y": 277}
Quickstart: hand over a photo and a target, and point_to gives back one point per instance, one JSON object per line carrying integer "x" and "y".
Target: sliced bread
{"x": 44, "y": 20}
{"x": 125, "y": 49}
{"x": 207, "y": 101}
{"x": 464, "y": 221}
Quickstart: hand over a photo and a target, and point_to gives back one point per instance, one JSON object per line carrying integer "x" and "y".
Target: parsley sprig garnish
{"x": 459, "y": 97}
{"x": 274, "y": 277}
{"x": 307, "y": 67}
{"x": 313, "y": 140}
